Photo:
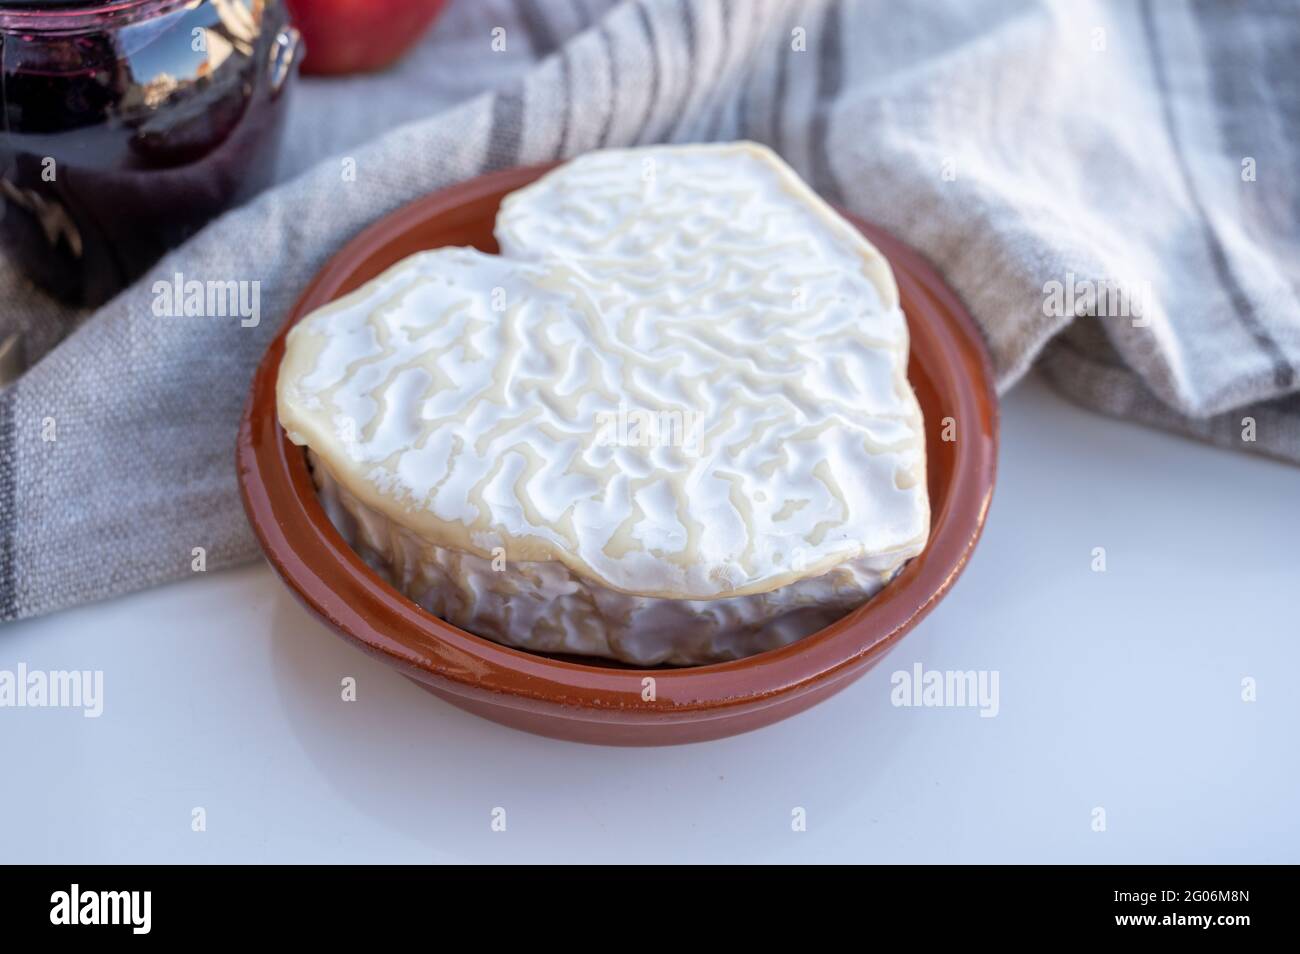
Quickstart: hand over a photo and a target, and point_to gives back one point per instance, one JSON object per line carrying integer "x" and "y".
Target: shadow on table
{"x": 436, "y": 774}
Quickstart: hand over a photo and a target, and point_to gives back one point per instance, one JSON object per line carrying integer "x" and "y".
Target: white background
{"x": 1120, "y": 690}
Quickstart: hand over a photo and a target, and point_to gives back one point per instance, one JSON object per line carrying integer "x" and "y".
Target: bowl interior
{"x": 948, "y": 369}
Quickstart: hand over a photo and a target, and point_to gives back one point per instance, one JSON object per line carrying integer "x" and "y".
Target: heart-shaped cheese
{"x": 682, "y": 381}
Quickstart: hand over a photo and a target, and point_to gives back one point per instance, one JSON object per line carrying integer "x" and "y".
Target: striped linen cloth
{"x": 1112, "y": 188}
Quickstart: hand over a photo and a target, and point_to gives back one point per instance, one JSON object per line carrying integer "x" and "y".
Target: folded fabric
{"x": 1112, "y": 188}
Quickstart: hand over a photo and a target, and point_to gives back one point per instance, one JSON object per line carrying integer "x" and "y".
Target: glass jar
{"x": 129, "y": 124}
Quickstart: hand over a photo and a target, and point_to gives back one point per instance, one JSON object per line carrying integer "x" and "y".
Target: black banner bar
{"x": 207, "y": 903}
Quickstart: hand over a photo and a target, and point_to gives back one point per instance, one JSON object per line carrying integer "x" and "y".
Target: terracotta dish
{"x": 606, "y": 703}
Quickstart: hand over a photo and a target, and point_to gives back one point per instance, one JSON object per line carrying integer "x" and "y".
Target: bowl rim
{"x": 334, "y": 582}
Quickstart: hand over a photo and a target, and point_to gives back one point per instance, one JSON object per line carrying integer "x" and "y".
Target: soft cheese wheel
{"x": 669, "y": 423}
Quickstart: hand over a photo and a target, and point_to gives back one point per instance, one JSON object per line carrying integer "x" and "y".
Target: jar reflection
{"x": 126, "y": 131}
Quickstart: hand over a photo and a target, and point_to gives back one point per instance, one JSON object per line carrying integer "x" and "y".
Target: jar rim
{"x": 58, "y": 16}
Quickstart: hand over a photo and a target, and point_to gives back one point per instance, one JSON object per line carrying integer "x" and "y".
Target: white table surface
{"x": 1120, "y": 690}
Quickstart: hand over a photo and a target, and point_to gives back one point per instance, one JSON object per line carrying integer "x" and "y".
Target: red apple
{"x": 354, "y": 36}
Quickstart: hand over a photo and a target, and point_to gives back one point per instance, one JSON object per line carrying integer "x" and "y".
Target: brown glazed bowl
{"x": 588, "y": 701}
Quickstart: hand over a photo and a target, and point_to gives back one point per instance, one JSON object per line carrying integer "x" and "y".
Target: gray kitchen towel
{"x": 1113, "y": 188}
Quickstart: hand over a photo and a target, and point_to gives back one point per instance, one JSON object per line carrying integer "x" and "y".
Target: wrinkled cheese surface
{"x": 683, "y": 378}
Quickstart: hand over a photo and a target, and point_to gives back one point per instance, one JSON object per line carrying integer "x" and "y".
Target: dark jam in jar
{"x": 129, "y": 124}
